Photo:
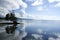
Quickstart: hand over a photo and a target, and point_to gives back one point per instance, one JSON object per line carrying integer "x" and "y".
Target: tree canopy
{"x": 10, "y": 16}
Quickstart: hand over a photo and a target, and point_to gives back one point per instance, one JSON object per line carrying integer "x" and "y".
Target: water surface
{"x": 31, "y": 30}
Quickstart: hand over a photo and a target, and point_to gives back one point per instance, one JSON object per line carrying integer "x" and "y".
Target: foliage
{"x": 10, "y": 16}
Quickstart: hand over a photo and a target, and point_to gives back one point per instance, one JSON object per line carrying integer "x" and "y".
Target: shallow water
{"x": 31, "y": 30}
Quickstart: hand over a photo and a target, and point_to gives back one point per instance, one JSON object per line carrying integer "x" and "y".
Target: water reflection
{"x": 44, "y": 30}
{"x": 12, "y": 31}
{"x": 32, "y": 31}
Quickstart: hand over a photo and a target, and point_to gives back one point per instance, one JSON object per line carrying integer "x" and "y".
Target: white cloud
{"x": 3, "y": 11}
{"x": 56, "y": 34}
{"x": 41, "y": 8}
{"x": 9, "y": 4}
{"x": 6, "y": 5}
{"x": 53, "y": 1}
{"x": 36, "y": 36}
{"x": 42, "y": 17}
{"x": 23, "y": 4}
{"x": 51, "y": 38}
{"x": 17, "y": 15}
{"x": 40, "y": 31}
{"x": 16, "y": 35}
{"x": 57, "y": 5}
{"x": 37, "y": 2}
{"x": 12, "y": 4}
{"x": 23, "y": 14}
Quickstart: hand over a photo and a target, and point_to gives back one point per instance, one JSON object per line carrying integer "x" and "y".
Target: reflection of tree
{"x": 18, "y": 32}
{"x": 10, "y": 29}
{"x": 2, "y": 25}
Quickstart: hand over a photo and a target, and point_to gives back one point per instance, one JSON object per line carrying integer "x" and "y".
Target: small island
{"x": 9, "y": 19}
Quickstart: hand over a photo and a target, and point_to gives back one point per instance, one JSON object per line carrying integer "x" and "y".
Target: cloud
{"x": 41, "y": 8}
{"x": 53, "y": 1}
{"x": 39, "y": 5}
{"x": 56, "y": 34}
{"x": 16, "y": 35}
{"x": 37, "y": 2}
{"x": 12, "y": 4}
{"x": 57, "y": 4}
{"x": 30, "y": 0}
{"x": 51, "y": 38}
{"x": 42, "y": 17}
{"x": 7, "y": 5}
{"x": 23, "y": 14}
{"x": 21, "y": 35}
{"x": 36, "y": 36}
{"x": 20, "y": 2}
{"x": 40, "y": 31}
{"x": 3, "y": 11}
{"x": 45, "y": 17}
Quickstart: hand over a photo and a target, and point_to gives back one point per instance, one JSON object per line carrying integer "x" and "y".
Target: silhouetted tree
{"x": 11, "y": 17}
{"x": 7, "y": 17}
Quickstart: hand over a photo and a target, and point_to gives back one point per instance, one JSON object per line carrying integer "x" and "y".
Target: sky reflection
{"x": 34, "y": 30}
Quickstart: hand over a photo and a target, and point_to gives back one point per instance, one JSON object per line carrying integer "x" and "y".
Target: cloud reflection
{"x": 17, "y": 34}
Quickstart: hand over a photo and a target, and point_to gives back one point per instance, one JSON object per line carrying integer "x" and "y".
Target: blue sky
{"x": 34, "y": 9}
{"x": 43, "y": 9}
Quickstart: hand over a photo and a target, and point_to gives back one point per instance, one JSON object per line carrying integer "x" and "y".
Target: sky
{"x": 32, "y": 9}
{"x": 44, "y": 9}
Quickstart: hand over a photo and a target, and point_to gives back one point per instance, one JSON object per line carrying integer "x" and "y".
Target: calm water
{"x": 31, "y": 30}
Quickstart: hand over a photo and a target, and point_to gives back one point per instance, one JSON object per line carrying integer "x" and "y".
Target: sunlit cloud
{"x": 40, "y": 31}
{"x": 53, "y": 1}
{"x": 57, "y": 36}
{"x": 37, "y": 37}
{"x": 37, "y": 2}
{"x": 51, "y": 38}
{"x": 7, "y": 5}
{"x": 57, "y": 4}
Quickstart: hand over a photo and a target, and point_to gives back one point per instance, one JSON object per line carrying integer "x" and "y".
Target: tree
{"x": 7, "y": 17}
{"x": 11, "y": 17}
